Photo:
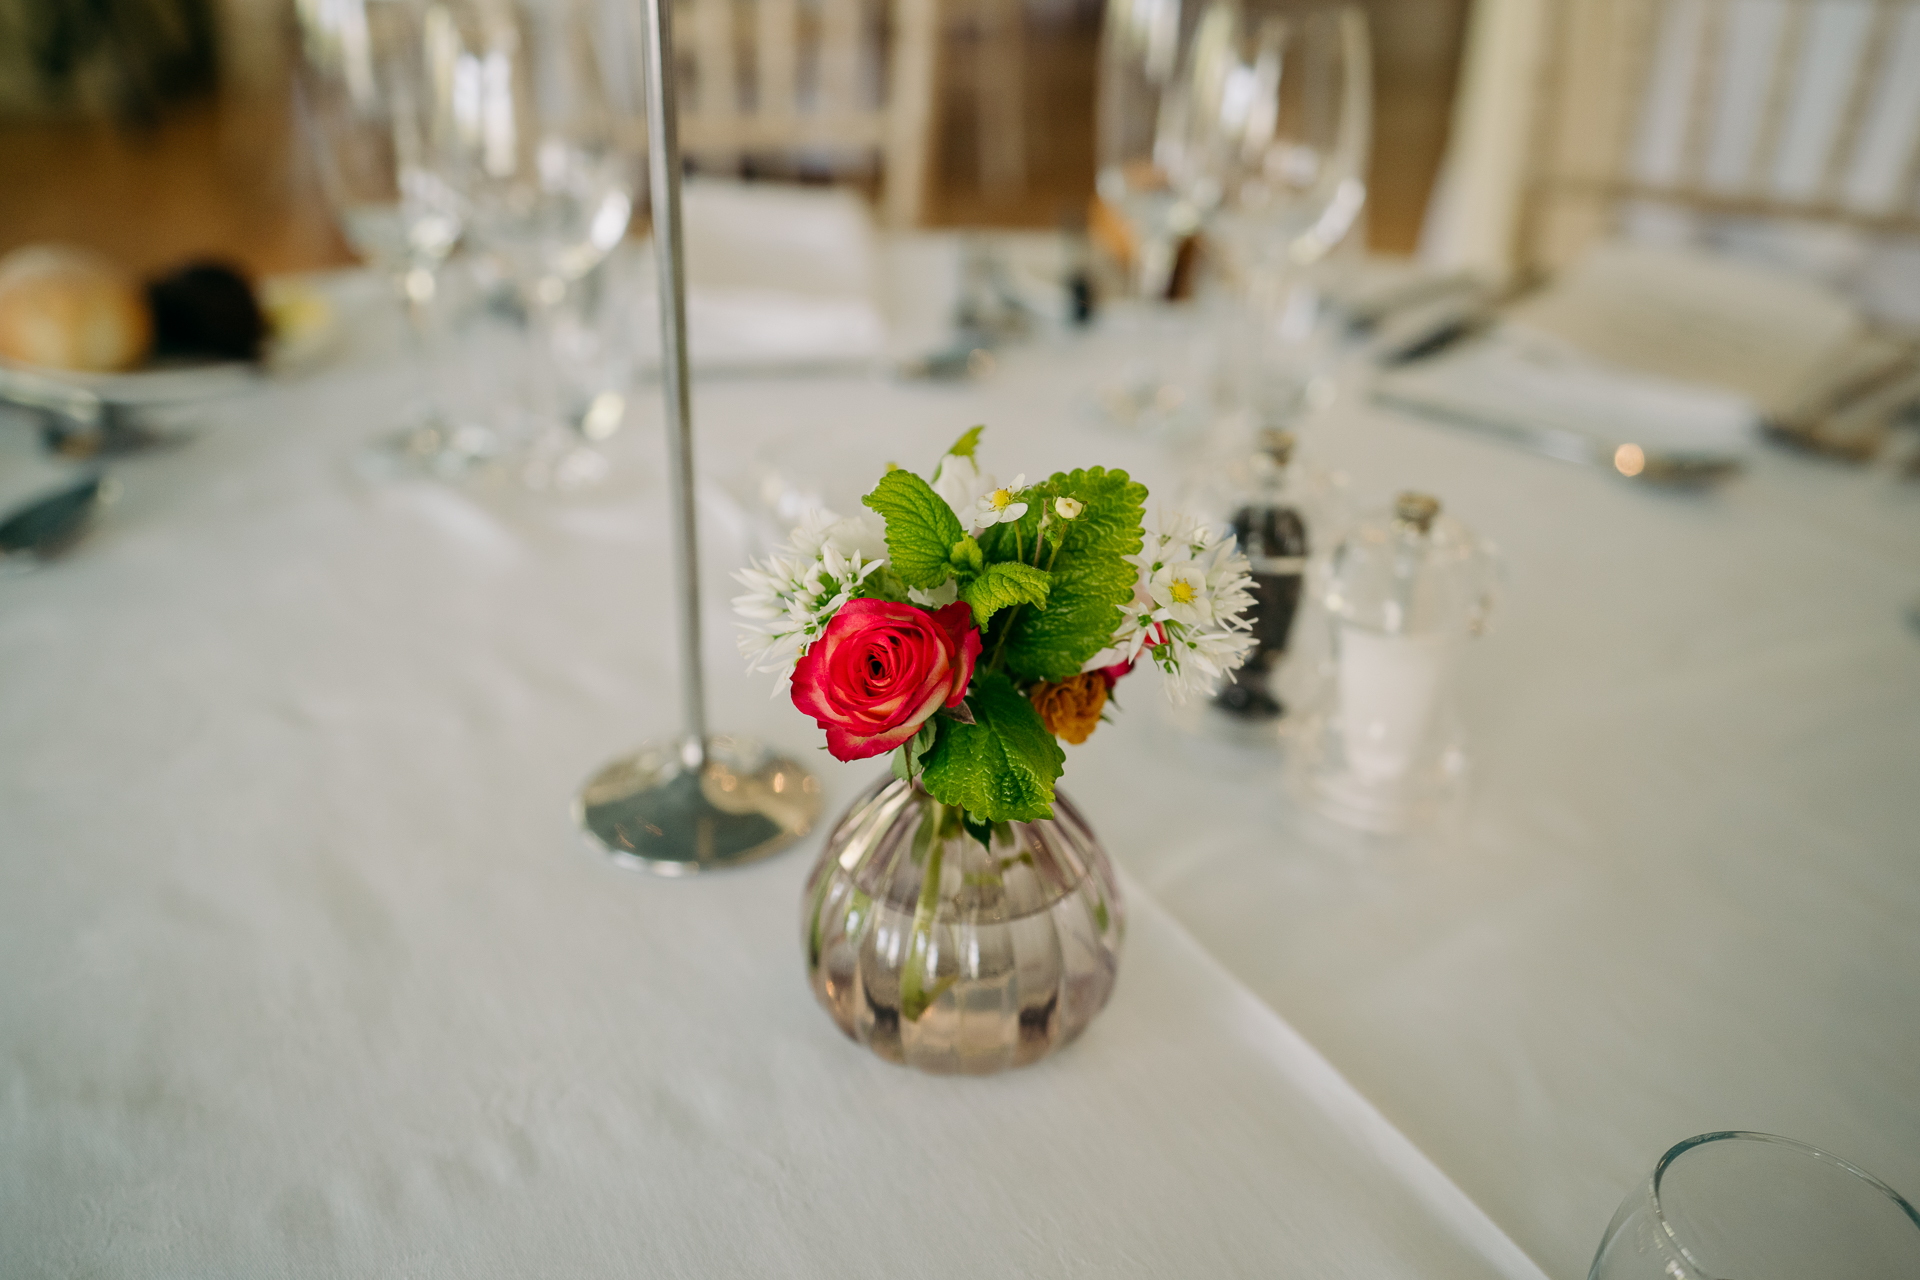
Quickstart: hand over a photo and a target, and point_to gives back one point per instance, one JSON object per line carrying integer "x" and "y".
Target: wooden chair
{"x": 1578, "y": 115}
{"x": 830, "y": 80}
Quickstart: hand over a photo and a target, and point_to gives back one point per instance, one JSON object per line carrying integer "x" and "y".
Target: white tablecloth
{"x": 308, "y": 974}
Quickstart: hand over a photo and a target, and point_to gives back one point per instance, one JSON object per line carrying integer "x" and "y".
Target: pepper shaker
{"x": 1272, "y": 525}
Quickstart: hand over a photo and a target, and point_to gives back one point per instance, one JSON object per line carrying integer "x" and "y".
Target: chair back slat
{"x": 910, "y": 90}
{"x": 1702, "y": 97}
{"x": 815, "y": 79}
{"x": 840, "y": 49}
{"x": 1863, "y": 76}
{"x": 716, "y": 78}
{"x": 1779, "y": 96}
{"x": 776, "y": 59}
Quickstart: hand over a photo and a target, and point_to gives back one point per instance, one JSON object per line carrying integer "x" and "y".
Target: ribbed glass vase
{"x": 942, "y": 953}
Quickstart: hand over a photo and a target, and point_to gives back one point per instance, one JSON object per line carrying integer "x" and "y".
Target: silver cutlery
{"x": 1665, "y": 469}
{"x": 47, "y": 526}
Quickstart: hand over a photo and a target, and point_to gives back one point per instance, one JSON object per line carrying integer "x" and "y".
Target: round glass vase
{"x": 943, "y": 953}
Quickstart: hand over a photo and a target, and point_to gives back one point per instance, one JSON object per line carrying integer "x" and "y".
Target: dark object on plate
{"x": 1184, "y": 279}
{"x": 206, "y": 309}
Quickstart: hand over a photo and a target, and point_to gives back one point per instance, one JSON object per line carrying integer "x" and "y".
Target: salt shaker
{"x": 1380, "y": 747}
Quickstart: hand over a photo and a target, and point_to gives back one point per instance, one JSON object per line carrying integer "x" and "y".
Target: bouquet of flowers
{"x": 969, "y": 627}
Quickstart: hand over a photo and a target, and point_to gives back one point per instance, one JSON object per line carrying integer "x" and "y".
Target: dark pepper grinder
{"x": 1272, "y": 530}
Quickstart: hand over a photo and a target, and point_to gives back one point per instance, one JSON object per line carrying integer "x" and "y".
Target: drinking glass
{"x": 538, "y": 110}
{"x": 1753, "y": 1206}
{"x": 1140, "y": 47}
{"x": 1160, "y": 385}
{"x": 365, "y": 87}
{"x": 1267, "y": 136}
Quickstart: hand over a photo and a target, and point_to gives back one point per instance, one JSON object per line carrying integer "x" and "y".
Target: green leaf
{"x": 921, "y": 528}
{"x": 966, "y": 444}
{"x": 1004, "y": 584}
{"x": 981, "y": 831}
{"x": 1002, "y": 767}
{"x": 1091, "y": 576}
{"x": 965, "y": 556}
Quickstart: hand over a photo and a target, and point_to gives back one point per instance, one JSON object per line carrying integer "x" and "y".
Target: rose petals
{"x": 880, "y": 669}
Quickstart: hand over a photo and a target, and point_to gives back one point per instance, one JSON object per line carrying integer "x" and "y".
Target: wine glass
{"x": 1758, "y": 1207}
{"x": 1140, "y": 48}
{"x": 365, "y": 87}
{"x": 1159, "y": 386}
{"x": 1267, "y": 136}
{"x": 535, "y": 107}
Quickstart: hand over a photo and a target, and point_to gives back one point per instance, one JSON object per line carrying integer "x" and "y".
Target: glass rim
{"x": 1680, "y": 1255}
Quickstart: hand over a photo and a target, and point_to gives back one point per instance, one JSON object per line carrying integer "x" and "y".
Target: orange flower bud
{"x": 1071, "y": 709}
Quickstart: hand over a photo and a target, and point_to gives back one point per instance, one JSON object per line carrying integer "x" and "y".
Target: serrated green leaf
{"x": 967, "y": 443}
{"x": 921, "y": 528}
{"x": 965, "y": 556}
{"x": 1003, "y": 585}
{"x": 1002, "y": 767}
{"x": 1091, "y": 576}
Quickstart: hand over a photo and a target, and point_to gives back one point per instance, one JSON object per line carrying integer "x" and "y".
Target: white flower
{"x": 960, "y": 481}
{"x": 944, "y": 594}
{"x": 1188, "y": 607}
{"x": 1179, "y": 590}
{"x": 1000, "y": 504}
{"x": 1068, "y": 508}
{"x": 791, "y": 598}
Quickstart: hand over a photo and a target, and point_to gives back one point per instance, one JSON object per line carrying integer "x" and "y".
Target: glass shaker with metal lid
{"x": 1380, "y": 747}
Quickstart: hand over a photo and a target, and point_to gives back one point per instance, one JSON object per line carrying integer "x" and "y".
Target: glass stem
{"x": 418, "y": 287}
{"x": 545, "y": 394}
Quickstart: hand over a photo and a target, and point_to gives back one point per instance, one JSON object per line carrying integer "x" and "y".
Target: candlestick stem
{"x": 698, "y": 801}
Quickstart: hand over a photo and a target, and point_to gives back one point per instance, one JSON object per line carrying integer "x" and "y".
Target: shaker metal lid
{"x": 1416, "y": 509}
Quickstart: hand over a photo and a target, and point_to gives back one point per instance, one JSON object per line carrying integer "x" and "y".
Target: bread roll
{"x": 66, "y": 308}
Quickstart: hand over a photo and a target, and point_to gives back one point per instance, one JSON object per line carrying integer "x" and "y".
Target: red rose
{"x": 880, "y": 669}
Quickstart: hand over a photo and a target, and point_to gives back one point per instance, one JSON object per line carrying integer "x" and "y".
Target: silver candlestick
{"x": 699, "y": 801}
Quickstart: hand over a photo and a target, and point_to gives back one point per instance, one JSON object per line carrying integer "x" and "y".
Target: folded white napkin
{"x": 777, "y": 277}
{"x": 1523, "y": 379}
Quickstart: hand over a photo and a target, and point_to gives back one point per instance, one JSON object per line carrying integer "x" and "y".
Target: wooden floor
{"x": 232, "y": 180}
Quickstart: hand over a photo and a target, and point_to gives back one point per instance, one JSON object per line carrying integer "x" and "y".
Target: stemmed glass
{"x": 365, "y": 87}
{"x": 1758, "y": 1207}
{"x": 1267, "y": 137}
{"x": 536, "y": 105}
{"x": 1141, "y": 44}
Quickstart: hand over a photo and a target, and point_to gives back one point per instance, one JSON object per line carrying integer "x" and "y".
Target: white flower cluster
{"x": 1188, "y": 608}
{"x": 791, "y": 598}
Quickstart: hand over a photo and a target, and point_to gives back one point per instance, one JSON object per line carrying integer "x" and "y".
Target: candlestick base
{"x": 671, "y": 811}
